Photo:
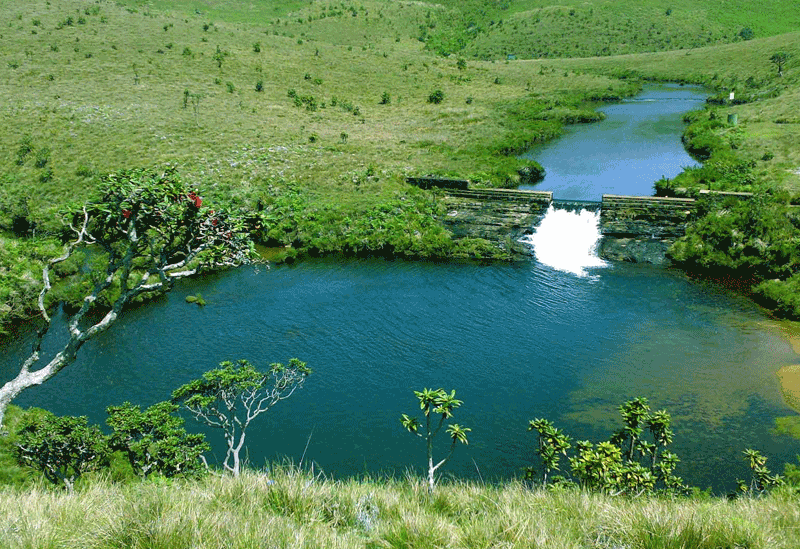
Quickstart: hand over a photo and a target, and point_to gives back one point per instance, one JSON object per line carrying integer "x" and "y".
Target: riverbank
{"x": 294, "y": 509}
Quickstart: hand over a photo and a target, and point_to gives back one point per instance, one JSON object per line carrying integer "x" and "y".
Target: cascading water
{"x": 567, "y": 241}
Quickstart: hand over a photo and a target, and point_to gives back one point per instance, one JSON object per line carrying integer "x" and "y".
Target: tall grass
{"x": 288, "y": 508}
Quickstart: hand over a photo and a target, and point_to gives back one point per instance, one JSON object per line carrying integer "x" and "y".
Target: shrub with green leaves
{"x": 436, "y": 97}
{"x": 155, "y": 441}
{"x": 62, "y": 448}
{"x": 627, "y": 463}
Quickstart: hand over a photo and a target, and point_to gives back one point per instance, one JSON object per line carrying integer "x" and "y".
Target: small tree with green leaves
{"x": 436, "y": 97}
{"x": 62, "y": 448}
{"x": 219, "y": 56}
{"x": 553, "y": 443}
{"x": 436, "y": 402}
{"x": 154, "y": 440}
{"x": 762, "y": 479}
{"x": 779, "y": 59}
{"x": 232, "y": 396}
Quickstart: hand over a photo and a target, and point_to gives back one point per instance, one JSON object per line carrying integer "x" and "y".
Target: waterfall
{"x": 567, "y": 241}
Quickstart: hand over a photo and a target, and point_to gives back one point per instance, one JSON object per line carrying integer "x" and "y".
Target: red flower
{"x": 196, "y": 200}
{"x": 126, "y": 214}
{"x": 214, "y": 222}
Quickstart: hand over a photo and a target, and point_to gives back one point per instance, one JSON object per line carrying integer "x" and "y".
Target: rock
{"x": 635, "y": 250}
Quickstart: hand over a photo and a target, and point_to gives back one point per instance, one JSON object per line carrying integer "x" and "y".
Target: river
{"x": 516, "y": 342}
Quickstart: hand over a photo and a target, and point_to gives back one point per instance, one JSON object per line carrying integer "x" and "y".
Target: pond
{"x": 516, "y": 342}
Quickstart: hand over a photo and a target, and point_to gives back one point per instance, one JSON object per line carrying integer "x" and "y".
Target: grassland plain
{"x": 288, "y": 508}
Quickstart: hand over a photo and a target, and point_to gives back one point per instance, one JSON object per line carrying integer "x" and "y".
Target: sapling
{"x": 433, "y": 402}
{"x": 553, "y": 443}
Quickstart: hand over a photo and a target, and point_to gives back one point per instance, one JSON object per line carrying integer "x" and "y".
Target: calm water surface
{"x": 516, "y": 342}
{"x": 637, "y": 144}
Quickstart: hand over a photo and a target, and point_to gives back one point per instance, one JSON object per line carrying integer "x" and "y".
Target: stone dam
{"x": 634, "y": 228}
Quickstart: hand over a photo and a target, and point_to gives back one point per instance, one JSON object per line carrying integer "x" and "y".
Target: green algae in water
{"x": 788, "y": 425}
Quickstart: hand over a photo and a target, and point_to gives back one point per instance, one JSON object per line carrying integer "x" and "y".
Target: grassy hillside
{"x": 90, "y": 88}
{"x": 290, "y": 509}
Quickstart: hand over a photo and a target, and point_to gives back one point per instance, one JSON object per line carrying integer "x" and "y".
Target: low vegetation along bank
{"x": 287, "y": 508}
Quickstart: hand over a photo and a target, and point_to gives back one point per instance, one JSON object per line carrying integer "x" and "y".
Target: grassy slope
{"x": 109, "y": 93}
{"x": 297, "y": 510}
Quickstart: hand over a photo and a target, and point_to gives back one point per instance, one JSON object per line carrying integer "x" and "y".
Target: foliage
{"x": 755, "y": 238}
{"x": 433, "y": 402}
{"x": 62, "y": 448}
{"x": 232, "y": 396}
{"x": 781, "y": 295}
{"x": 762, "y": 480}
{"x": 154, "y": 440}
{"x": 627, "y": 463}
{"x": 552, "y": 444}
{"x": 436, "y": 97}
{"x": 779, "y": 59}
{"x": 147, "y": 231}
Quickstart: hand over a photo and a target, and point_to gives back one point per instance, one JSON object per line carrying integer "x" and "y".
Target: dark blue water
{"x": 515, "y": 341}
{"x": 637, "y": 144}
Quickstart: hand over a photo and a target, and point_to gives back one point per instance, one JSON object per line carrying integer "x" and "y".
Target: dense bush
{"x": 755, "y": 239}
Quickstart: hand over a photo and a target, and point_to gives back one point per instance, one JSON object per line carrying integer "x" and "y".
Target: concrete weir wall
{"x": 635, "y": 228}
{"x": 649, "y": 216}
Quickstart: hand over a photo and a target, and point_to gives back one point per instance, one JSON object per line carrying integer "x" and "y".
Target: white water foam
{"x": 567, "y": 241}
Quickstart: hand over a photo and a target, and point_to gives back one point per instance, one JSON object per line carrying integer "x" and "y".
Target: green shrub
{"x": 436, "y": 97}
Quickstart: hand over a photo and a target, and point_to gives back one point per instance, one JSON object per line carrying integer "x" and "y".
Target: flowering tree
{"x": 150, "y": 231}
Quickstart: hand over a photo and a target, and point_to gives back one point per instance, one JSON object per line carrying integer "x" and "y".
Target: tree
{"x": 62, "y": 448}
{"x": 433, "y": 402}
{"x": 232, "y": 396}
{"x": 762, "y": 480}
{"x": 154, "y": 440}
{"x": 553, "y": 443}
{"x": 149, "y": 231}
{"x": 779, "y": 58}
{"x": 219, "y": 56}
